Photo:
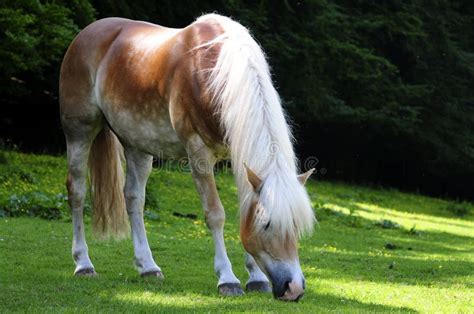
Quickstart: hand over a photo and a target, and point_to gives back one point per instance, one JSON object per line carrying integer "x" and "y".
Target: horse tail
{"x": 109, "y": 217}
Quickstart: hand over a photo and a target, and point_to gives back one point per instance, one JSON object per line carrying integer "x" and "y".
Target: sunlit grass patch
{"x": 372, "y": 251}
{"x": 423, "y": 221}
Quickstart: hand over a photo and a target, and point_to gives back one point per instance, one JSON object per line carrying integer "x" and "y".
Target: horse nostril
{"x": 280, "y": 288}
{"x": 286, "y": 286}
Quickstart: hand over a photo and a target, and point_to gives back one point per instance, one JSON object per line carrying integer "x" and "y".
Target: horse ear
{"x": 304, "y": 176}
{"x": 253, "y": 179}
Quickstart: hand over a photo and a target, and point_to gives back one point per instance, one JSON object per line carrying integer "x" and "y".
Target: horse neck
{"x": 255, "y": 128}
{"x": 250, "y": 109}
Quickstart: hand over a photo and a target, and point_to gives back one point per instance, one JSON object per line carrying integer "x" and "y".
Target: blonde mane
{"x": 256, "y": 130}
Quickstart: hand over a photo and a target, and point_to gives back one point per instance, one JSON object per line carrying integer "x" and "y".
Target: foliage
{"x": 32, "y": 186}
{"x": 35, "y": 204}
{"x": 34, "y": 36}
{"x": 348, "y": 267}
{"x": 379, "y": 91}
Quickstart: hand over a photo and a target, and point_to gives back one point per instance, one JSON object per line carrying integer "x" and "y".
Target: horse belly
{"x": 154, "y": 135}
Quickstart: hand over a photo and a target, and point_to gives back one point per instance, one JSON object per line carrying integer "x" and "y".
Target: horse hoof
{"x": 259, "y": 286}
{"x": 154, "y": 274}
{"x": 85, "y": 272}
{"x": 230, "y": 289}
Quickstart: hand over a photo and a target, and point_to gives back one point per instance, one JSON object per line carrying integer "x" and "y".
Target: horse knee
{"x": 215, "y": 218}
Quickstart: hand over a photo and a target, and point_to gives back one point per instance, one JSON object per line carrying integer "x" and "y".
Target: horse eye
{"x": 266, "y": 226}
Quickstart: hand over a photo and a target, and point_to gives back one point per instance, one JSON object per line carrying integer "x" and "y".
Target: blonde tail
{"x": 109, "y": 215}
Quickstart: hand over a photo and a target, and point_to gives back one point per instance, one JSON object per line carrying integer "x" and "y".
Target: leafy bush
{"x": 35, "y": 204}
{"x": 35, "y": 34}
{"x": 32, "y": 185}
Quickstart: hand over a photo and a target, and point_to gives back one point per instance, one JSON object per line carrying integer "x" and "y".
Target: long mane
{"x": 256, "y": 130}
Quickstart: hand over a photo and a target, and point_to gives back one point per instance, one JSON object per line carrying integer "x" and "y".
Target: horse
{"x": 131, "y": 90}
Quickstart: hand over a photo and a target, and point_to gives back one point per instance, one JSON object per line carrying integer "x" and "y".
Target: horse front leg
{"x": 202, "y": 171}
{"x": 257, "y": 279}
{"x": 138, "y": 169}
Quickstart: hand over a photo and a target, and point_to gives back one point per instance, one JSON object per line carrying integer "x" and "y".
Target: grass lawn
{"x": 372, "y": 251}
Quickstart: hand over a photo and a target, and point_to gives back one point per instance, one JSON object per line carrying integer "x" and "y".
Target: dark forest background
{"x": 381, "y": 92}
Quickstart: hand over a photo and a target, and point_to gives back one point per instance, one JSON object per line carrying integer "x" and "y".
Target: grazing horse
{"x": 203, "y": 91}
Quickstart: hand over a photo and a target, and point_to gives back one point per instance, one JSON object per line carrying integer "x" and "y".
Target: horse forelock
{"x": 287, "y": 206}
{"x": 281, "y": 209}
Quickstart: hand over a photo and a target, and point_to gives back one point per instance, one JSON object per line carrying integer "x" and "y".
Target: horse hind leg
{"x": 138, "y": 169}
{"x": 80, "y": 134}
{"x": 82, "y": 121}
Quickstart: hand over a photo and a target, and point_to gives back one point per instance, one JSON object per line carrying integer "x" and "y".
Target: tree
{"x": 34, "y": 36}
{"x": 379, "y": 91}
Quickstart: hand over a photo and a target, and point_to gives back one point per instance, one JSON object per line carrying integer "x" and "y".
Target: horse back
{"x": 147, "y": 73}
{"x": 95, "y": 47}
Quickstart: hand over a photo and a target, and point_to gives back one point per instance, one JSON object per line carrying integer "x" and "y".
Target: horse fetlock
{"x": 81, "y": 257}
{"x": 226, "y": 276}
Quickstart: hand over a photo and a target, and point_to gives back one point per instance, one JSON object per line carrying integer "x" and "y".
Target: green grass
{"x": 347, "y": 265}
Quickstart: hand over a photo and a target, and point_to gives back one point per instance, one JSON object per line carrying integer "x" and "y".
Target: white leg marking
{"x": 222, "y": 265}
{"x": 77, "y": 169}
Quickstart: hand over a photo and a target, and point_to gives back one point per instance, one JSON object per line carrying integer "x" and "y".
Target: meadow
{"x": 373, "y": 249}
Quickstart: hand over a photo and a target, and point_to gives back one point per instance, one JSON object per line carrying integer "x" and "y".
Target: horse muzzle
{"x": 287, "y": 287}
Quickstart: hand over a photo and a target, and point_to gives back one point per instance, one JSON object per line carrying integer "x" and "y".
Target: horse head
{"x": 271, "y": 235}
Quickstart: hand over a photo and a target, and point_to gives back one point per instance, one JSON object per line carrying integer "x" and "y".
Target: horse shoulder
{"x": 192, "y": 111}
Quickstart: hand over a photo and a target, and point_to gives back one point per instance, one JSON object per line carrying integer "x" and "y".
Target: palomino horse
{"x": 202, "y": 90}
